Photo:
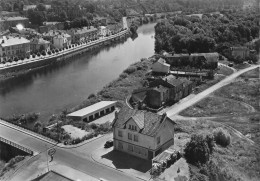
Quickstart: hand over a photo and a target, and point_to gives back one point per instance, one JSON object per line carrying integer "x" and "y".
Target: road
{"x": 79, "y": 159}
{"x": 184, "y": 105}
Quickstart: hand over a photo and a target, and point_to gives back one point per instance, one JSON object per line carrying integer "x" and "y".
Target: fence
{"x": 30, "y": 152}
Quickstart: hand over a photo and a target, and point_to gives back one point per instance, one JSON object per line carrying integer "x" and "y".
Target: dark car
{"x": 108, "y": 144}
{"x": 230, "y": 64}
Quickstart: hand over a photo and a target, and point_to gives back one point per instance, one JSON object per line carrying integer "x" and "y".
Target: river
{"x": 54, "y": 88}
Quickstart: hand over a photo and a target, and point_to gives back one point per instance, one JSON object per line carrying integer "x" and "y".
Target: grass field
{"x": 215, "y": 106}
{"x": 252, "y": 74}
{"x": 239, "y": 161}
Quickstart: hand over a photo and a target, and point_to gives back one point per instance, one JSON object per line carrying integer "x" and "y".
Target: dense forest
{"x": 217, "y": 32}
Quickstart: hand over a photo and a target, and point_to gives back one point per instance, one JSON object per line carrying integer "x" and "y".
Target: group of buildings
{"x": 21, "y": 44}
{"x": 160, "y": 92}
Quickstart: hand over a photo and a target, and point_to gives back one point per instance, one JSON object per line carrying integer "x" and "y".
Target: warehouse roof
{"x": 90, "y": 109}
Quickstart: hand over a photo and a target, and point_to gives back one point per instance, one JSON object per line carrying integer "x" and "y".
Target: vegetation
{"x": 11, "y": 164}
{"x": 221, "y": 136}
{"x": 199, "y": 148}
{"x": 183, "y": 34}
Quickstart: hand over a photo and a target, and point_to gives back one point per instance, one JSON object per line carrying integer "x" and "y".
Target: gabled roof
{"x": 173, "y": 81}
{"x": 163, "y": 62}
{"x": 148, "y": 122}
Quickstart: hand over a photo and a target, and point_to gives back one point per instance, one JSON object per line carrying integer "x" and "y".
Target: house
{"x": 241, "y": 52}
{"x": 62, "y": 40}
{"x": 141, "y": 133}
{"x": 83, "y": 34}
{"x": 161, "y": 66}
{"x": 7, "y": 22}
{"x": 196, "y": 60}
{"x": 157, "y": 96}
{"x": 39, "y": 44}
{"x": 187, "y": 87}
{"x": 13, "y": 46}
{"x": 103, "y": 31}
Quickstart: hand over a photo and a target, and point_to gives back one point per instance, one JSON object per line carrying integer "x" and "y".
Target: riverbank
{"x": 15, "y": 69}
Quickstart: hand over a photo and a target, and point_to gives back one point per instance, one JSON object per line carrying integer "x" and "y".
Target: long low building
{"x": 94, "y": 111}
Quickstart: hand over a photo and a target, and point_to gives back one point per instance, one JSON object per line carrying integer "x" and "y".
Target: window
{"x": 136, "y": 138}
{"x": 158, "y": 140}
{"x": 135, "y": 128}
{"x": 129, "y": 136}
{"x": 120, "y": 133}
{"x": 129, "y": 126}
{"x": 3, "y": 49}
{"x": 120, "y": 146}
{"x": 130, "y": 148}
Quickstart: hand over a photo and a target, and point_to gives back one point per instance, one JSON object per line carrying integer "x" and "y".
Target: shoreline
{"x": 17, "y": 70}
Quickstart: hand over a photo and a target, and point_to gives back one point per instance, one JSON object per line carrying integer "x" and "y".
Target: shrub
{"x": 91, "y": 96}
{"x": 199, "y": 148}
{"x": 33, "y": 55}
{"x": 22, "y": 58}
{"x": 38, "y": 54}
{"x": 53, "y": 51}
{"x": 221, "y": 136}
{"x": 93, "y": 126}
{"x": 130, "y": 70}
{"x": 15, "y": 59}
{"x": 56, "y": 50}
{"x": 49, "y": 52}
{"x": 123, "y": 75}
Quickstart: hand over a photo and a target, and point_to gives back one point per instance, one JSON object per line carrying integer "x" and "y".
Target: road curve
{"x": 184, "y": 105}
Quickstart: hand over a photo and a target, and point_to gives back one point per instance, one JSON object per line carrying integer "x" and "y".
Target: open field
{"x": 238, "y": 161}
{"x": 216, "y": 106}
{"x": 252, "y": 74}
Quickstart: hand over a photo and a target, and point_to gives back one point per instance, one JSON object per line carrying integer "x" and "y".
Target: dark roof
{"x": 52, "y": 175}
{"x": 148, "y": 122}
{"x": 173, "y": 81}
{"x": 160, "y": 88}
{"x": 185, "y": 81}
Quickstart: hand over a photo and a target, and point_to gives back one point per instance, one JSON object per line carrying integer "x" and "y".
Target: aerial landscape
{"x": 123, "y": 90}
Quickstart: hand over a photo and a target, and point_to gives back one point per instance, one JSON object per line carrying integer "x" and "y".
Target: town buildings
{"x": 83, "y": 34}
{"x": 13, "y": 46}
{"x": 62, "y": 40}
{"x": 141, "y": 133}
{"x": 161, "y": 91}
{"x": 161, "y": 66}
{"x": 39, "y": 44}
{"x": 195, "y": 60}
{"x": 7, "y": 22}
{"x": 241, "y": 52}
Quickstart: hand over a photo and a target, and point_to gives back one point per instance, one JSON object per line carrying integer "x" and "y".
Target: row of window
{"x": 14, "y": 47}
{"x": 132, "y": 148}
{"x": 130, "y": 136}
{"x": 132, "y": 127}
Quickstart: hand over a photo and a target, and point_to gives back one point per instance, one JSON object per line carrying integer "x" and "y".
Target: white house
{"x": 61, "y": 41}
{"x": 103, "y": 31}
{"x": 141, "y": 133}
{"x": 161, "y": 66}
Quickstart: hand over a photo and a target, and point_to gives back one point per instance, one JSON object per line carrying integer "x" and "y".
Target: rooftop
{"x": 9, "y": 41}
{"x": 13, "y": 18}
{"x": 52, "y": 175}
{"x": 90, "y": 109}
{"x": 148, "y": 122}
{"x": 162, "y": 61}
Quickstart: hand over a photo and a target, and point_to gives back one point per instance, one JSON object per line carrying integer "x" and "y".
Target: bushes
{"x": 199, "y": 148}
{"x": 130, "y": 70}
{"x": 33, "y": 55}
{"x": 221, "y": 136}
{"x": 123, "y": 75}
{"x": 38, "y": 54}
{"x": 49, "y": 52}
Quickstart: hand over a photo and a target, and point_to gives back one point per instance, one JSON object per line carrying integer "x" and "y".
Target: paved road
{"x": 184, "y": 105}
{"x": 79, "y": 158}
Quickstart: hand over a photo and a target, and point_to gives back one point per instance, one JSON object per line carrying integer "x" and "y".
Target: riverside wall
{"x": 62, "y": 56}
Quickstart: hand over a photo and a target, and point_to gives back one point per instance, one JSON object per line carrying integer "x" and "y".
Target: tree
{"x": 63, "y": 16}
{"x": 41, "y": 7}
{"x": 36, "y": 17}
{"x": 199, "y": 148}
{"x": 42, "y": 48}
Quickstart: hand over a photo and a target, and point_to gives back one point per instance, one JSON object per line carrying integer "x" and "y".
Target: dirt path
{"x": 184, "y": 105}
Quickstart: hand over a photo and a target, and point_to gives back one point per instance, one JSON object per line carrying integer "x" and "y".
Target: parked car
{"x": 108, "y": 144}
{"x": 230, "y": 64}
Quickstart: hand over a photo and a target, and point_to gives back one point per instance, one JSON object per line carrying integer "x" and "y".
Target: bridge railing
{"x": 29, "y": 131}
{"x": 13, "y": 144}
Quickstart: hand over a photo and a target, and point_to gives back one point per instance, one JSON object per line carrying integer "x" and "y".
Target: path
{"x": 184, "y": 105}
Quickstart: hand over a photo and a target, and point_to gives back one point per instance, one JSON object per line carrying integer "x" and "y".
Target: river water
{"x": 53, "y": 88}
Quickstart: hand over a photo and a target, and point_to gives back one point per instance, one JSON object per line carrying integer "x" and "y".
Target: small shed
{"x": 94, "y": 111}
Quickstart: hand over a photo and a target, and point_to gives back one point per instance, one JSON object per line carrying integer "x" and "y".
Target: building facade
{"x": 13, "y": 47}
{"x": 142, "y": 134}
{"x": 83, "y": 34}
{"x": 7, "y": 22}
{"x": 61, "y": 40}
{"x": 242, "y": 52}
{"x": 39, "y": 44}
{"x": 161, "y": 66}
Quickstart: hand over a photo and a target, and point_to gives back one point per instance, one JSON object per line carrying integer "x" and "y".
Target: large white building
{"x": 141, "y": 133}
{"x": 13, "y": 47}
